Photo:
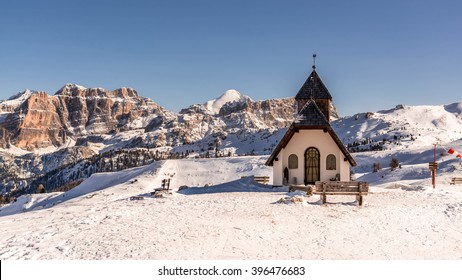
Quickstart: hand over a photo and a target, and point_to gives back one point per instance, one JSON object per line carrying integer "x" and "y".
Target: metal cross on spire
{"x": 314, "y": 61}
{"x": 312, "y": 79}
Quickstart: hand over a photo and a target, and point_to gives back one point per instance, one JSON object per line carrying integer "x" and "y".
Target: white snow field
{"x": 232, "y": 218}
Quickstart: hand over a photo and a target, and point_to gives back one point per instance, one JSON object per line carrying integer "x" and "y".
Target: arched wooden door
{"x": 312, "y": 165}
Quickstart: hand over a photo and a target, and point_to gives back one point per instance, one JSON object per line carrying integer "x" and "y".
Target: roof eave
{"x": 342, "y": 147}
{"x": 282, "y": 144}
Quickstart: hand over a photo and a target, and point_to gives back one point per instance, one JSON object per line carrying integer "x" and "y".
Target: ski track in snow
{"x": 398, "y": 221}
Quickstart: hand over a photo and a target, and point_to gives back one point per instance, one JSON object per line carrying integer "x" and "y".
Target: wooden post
{"x": 433, "y": 166}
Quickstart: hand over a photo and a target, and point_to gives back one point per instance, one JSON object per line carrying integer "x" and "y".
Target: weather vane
{"x": 314, "y": 61}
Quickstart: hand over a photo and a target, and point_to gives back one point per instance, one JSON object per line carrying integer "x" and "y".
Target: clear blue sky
{"x": 372, "y": 55}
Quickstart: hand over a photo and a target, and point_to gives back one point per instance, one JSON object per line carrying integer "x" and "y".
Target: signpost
{"x": 433, "y": 166}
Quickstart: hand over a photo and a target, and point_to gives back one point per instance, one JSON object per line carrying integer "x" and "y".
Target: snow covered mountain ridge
{"x": 402, "y": 127}
{"x": 66, "y": 137}
{"x": 33, "y": 120}
{"x": 45, "y": 133}
{"x": 213, "y": 106}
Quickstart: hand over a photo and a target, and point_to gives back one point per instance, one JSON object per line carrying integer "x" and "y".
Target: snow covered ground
{"x": 233, "y": 218}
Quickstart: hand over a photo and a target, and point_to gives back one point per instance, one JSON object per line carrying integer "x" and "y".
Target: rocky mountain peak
{"x": 70, "y": 89}
{"x": 231, "y": 94}
{"x": 213, "y": 106}
{"x": 22, "y": 95}
{"x": 125, "y": 92}
{"x": 98, "y": 92}
{"x": 31, "y": 120}
{"x": 16, "y": 100}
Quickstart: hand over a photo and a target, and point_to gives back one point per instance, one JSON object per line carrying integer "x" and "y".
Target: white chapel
{"x": 310, "y": 150}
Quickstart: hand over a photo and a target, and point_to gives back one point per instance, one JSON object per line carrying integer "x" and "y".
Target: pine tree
{"x": 376, "y": 167}
{"x": 394, "y": 163}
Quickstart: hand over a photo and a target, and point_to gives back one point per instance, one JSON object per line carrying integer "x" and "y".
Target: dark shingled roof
{"x": 313, "y": 85}
{"x": 311, "y": 115}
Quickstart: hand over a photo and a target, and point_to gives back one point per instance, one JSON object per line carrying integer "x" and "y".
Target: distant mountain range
{"x": 61, "y": 139}
{"x": 41, "y": 135}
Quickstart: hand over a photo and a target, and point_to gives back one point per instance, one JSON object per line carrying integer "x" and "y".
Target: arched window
{"x": 312, "y": 166}
{"x": 331, "y": 162}
{"x": 293, "y": 161}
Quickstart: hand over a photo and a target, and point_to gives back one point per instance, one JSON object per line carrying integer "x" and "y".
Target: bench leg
{"x": 359, "y": 198}
{"x": 309, "y": 192}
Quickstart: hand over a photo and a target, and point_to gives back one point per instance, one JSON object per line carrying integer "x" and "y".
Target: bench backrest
{"x": 261, "y": 179}
{"x": 339, "y": 186}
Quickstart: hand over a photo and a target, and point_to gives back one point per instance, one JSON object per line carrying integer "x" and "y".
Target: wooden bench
{"x": 165, "y": 187}
{"x": 456, "y": 180}
{"x": 260, "y": 179}
{"x": 341, "y": 188}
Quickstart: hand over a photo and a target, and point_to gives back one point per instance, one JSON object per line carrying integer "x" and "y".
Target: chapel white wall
{"x": 298, "y": 145}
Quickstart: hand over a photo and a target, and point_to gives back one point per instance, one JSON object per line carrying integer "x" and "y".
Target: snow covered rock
{"x": 230, "y": 96}
{"x": 298, "y": 199}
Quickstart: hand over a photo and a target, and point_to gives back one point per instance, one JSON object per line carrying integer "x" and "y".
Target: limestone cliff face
{"x": 96, "y": 110}
{"x": 197, "y": 123}
{"x": 38, "y": 124}
{"x": 265, "y": 114}
{"x": 32, "y": 120}
{"x": 40, "y": 120}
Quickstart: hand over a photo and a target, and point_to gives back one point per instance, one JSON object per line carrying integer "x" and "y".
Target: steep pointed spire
{"x": 314, "y": 90}
{"x": 313, "y": 85}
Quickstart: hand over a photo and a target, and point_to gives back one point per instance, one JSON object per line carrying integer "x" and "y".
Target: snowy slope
{"x": 424, "y": 124}
{"x": 197, "y": 172}
{"x": 234, "y": 219}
